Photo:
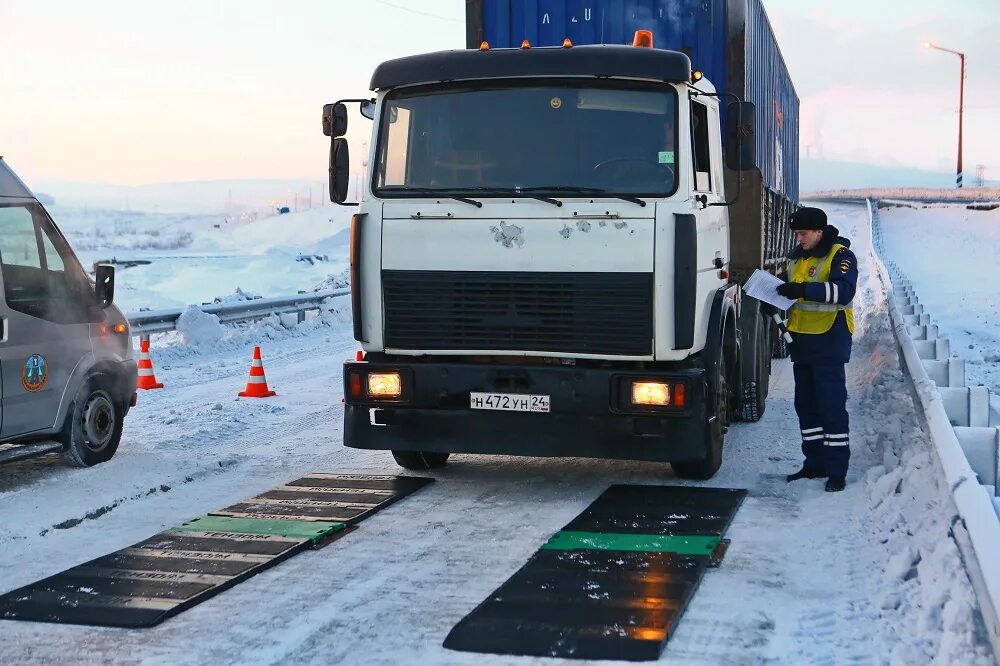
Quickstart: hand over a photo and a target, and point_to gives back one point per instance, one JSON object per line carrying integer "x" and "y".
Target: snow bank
{"x": 200, "y": 334}
{"x": 199, "y": 328}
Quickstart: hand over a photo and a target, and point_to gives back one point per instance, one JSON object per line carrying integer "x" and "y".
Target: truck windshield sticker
{"x": 35, "y": 373}
{"x": 555, "y": 102}
{"x": 666, "y": 157}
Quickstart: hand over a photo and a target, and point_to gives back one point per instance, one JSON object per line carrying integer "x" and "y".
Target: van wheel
{"x": 420, "y": 459}
{"x": 93, "y": 425}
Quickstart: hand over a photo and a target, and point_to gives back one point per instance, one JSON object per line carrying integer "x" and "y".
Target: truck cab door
{"x": 706, "y": 152}
{"x": 47, "y": 308}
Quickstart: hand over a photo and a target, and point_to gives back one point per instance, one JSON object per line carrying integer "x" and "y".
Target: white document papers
{"x": 764, "y": 287}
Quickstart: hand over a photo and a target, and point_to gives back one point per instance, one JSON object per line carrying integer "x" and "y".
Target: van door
{"x": 48, "y": 307}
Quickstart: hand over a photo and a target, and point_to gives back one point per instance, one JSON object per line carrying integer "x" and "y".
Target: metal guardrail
{"x": 146, "y": 322}
{"x": 976, "y": 527}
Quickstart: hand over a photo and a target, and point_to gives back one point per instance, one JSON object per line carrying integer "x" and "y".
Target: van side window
{"x": 41, "y": 277}
{"x": 701, "y": 149}
{"x": 18, "y": 242}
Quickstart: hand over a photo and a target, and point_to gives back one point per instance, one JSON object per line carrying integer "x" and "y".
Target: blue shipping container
{"x": 731, "y": 41}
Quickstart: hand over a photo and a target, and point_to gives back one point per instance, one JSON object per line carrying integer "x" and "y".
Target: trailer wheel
{"x": 715, "y": 434}
{"x": 420, "y": 459}
{"x": 93, "y": 426}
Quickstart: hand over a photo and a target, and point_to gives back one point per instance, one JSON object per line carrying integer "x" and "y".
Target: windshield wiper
{"x": 430, "y": 190}
{"x": 514, "y": 192}
{"x": 588, "y": 190}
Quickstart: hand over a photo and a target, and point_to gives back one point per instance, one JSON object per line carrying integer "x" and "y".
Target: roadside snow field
{"x": 948, "y": 253}
{"x": 195, "y": 258}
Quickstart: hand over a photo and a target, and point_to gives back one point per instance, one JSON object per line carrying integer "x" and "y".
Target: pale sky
{"x": 135, "y": 92}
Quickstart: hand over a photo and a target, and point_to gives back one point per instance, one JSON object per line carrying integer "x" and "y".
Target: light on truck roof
{"x": 526, "y": 44}
{"x": 643, "y": 38}
{"x": 567, "y": 43}
{"x": 485, "y": 46}
{"x": 696, "y": 75}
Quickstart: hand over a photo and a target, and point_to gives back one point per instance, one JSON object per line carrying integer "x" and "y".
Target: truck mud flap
{"x": 613, "y": 583}
{"x": 146, "y": 583}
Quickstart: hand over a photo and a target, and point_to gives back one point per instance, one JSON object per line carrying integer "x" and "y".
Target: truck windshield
{"x": 558, "y": 138}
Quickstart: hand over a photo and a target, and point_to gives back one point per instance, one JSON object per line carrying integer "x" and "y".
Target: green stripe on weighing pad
{"x": 648, "y": 543}
{"x": 296, "y": 529}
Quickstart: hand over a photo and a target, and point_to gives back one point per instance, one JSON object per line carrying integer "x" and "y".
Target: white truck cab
{"x": 67, "y": 374}
{"x": 540, "y": 259}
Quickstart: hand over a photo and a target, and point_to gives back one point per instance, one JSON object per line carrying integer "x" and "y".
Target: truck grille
{"x": 585, "y": 313}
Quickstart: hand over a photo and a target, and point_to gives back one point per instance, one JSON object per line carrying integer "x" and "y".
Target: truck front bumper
{"x": 588, "y": 416}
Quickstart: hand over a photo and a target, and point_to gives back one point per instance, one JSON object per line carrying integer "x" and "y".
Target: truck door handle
{"x": 3, "y": 329}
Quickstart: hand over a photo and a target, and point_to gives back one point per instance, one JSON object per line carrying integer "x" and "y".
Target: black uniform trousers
{"x": 821, "y": 404}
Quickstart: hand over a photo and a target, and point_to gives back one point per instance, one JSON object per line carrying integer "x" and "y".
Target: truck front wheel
{"x": 420, "y": 459}
{"x": 93, "y": 425}
{"x": 715, "y": 430}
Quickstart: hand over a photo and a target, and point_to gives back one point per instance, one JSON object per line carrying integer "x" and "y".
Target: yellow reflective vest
{"x": 809, "y": 316}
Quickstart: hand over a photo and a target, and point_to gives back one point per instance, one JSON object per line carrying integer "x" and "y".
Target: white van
{"x": 67, "y": 374}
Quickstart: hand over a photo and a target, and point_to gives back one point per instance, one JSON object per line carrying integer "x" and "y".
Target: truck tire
{"x": 420, "y": 459}
{"x": 756, "y": 374}
{"x": 93, "y": 426}
{"x": 715, "y": 434}
{"x": 780, "y": 347}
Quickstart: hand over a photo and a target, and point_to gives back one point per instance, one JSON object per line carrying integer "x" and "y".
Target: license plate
{"x": 509, "y": 402}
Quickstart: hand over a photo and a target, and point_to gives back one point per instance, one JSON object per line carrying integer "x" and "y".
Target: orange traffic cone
{"x": 257, "y": 384}
{"x": 147, "y": 380}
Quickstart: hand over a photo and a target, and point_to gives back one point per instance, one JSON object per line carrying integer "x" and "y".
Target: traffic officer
{"x": 822, "y": 277}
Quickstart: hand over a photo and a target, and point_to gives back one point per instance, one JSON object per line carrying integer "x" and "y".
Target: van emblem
{"x": 35, "y": 374}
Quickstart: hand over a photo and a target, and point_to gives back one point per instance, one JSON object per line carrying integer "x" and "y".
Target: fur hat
{"x": 807, "y": 218}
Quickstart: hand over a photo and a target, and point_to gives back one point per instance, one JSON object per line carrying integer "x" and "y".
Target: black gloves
{"x": 793, "y": 290}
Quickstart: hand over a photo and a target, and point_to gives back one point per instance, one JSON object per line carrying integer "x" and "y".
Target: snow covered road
{"x": 869, "y": 575}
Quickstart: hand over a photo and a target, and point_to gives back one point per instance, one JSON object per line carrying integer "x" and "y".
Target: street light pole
{"x": 961, "y": 104}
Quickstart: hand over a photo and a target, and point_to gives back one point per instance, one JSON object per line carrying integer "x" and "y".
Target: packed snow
{"x": 869, "y": 575}
{"x": 193, "y": 259}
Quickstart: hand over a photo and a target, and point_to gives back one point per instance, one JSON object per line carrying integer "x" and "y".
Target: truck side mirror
{"x": 340, "y": 170}
{"x": 740, "y": 142}
{"x": 335, "y": 119}
{"x": 104, "y": 284}
{"x": 368, "y": 109}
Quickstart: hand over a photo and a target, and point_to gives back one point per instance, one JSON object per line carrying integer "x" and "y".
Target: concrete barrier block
{"x": 982, "y": 449}
{"x": 956, "y": 404}
{"x": 926, "y": 349}
{"x": 911, "y": 319}
{"x": 943, "y": 348}
{"x": 979, "y": 406}
{"x": 956, "y": 375}
{"x": 937, "y": 371}
{"x": 917, "y": 332}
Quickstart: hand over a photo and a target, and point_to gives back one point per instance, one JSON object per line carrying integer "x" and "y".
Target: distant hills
{"x": 209, "y": 196}
{"x": 821, "y": 175}
{"x": 229, "y": 197}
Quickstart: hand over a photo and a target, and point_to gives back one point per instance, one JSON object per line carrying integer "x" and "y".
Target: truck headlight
{"x": 385, "y": 385}
{"x": 650, "y": 393}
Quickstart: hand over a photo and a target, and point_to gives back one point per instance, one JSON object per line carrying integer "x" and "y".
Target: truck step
{"x": 14, "y": 452}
